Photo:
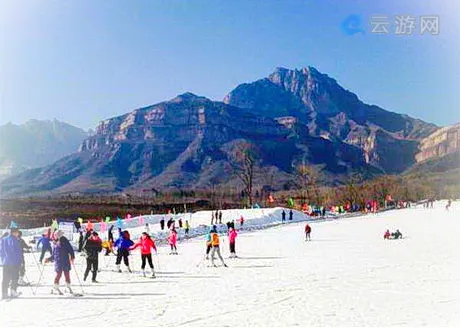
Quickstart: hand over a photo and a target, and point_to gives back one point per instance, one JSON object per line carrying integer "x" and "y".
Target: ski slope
{"x": 346, "y": 276}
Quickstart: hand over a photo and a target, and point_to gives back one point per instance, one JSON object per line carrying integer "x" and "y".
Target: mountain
{"x": 389, "y": 140}
{"x": 291, "y": 117}
{"x": 439, "y": 152}
{"x": 36, "y": 143}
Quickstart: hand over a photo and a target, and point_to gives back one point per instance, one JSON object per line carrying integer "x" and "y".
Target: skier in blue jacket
{"x": 45, "y": 241}
{"x": 123, "y": 243}
{"x": 11, "y": 256}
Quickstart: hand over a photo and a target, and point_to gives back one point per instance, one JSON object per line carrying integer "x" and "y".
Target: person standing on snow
{"x": 162, "y": 224}
{"x": 146, "y": 243}
{"x": 283, "y": 216}
{"x": 147, "y": 228}
{"x": 172, "y": 239}
{"x": 307, "y": 232}
{"x": 220, "y": 217}
{"x": 387, "y": 234}
{"x": 290, "y": 215}
{"x": 187, "y": 227}
{"x": 63, "y": 255}
{"x": 11, "y": 256}
{"x": 123, "y": 244}
{"x": 22, "y": 269}
{"x": 232, "y": 234}
{"x": 215, "y": 247}
{"x": 92, "y": 248}
{"x": 45, "y": 241}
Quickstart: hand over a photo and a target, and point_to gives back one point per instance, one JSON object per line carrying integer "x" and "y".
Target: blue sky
{"x": 84, "y": 61}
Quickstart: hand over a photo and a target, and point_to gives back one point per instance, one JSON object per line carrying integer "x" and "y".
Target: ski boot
{"x": 56, "y": 290}
{"x": 129, "y": 270}
{"x": 143, "y": 273}
{"x": 69, "y": 289}
{"x": 118, "y": 268}
{"x": 153, "y": 274}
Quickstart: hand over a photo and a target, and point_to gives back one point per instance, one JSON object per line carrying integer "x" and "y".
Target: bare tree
{"x": 244, "y": 163}
{"x": 304, "y": 179}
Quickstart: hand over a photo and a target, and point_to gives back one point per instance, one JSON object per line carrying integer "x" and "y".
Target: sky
{"x": 84, "y": 61}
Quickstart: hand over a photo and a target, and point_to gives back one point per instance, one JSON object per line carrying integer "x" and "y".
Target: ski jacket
{"x": 172, "y": 239}
{"x": 146, "y": 245}
{"x": 214, "y": 239}
{"x": 307, "y": 228}
{"x": 232, "y": 236}
{"x": 62, "y": 254}
{"x": 92, "y": 247}
{"x": 45, "y": 241}
{"x": 10, "y": 251}
{"x": 123, "y": 243}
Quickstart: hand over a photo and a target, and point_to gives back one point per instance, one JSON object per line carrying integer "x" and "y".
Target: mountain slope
{"x": 291, "y": 117}
{"x": 35, "y": 144}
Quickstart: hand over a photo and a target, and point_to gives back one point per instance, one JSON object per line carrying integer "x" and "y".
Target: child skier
{"x": 108, "y": 246}
{"x": 232, "y": 234}
{"x": 146, "y": 243}
{"x": 45, "y": 240}
{"x": 215, "y": 247}
{"x": 187, "y": 227}
{"x": 307, "y": 232}
{"x": 92, "y": 247}
{"x": 172, "y": 239}
{"x": 63, "y": 255}
{"x": 123, "y": 244}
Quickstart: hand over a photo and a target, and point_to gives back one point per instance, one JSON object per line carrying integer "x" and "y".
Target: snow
{"x": 346, "y": 276}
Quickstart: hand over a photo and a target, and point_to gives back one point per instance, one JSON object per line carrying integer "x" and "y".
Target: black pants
{"x": 208, "y": 249}
{"x": 22, "y": 268}
{"x": 146, "y": 257}
{"x": 122, "y": 253}
{"x": 44, "y": 250}
{"x": 232, "y": 248}
{"x": 10, "y": 275}
{"x": 94, "y": 264}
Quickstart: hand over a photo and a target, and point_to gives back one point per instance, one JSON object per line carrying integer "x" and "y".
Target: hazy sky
{"x": 84, "y": 61}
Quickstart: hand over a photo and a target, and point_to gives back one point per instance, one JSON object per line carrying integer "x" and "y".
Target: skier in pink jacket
{"x": 172, "y": 239}
{"x": 232, "y": 234}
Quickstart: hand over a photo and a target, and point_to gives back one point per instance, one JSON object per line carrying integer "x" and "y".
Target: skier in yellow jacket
{"x": 215, "y": 246}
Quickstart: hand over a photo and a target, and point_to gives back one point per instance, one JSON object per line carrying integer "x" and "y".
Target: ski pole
{"x": 39, "y": 278}
{"x": 30, "y": 285}
{"x": 78, "y": 277}
{"x": 158, "y": 260}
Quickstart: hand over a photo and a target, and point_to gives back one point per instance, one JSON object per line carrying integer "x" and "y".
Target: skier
{"x": 162, "y": 223}
{"x": 449, "y": 203}
{"x": 172, "y": 239}
{"x": 147, "y": 228}
{"x": 180, "y": 222}
{"x": 45, "y": 240}
{"x": 63, "y": 255}
{"x": 212, "y": 218}
{"x": 290, "y": 215}
{"x": 220, "y": 217}
{"x": 92, "y": 247}
{"x": 146, "y": 243}
{"x": 232, "y": 234}
{"x": 123, "y": 244}
{"x": 324, "y": 211}
{"x": 307, "y": 232}
{"x": 11, "y": 256}
{"x": 187, "y": 227}
{"x": 387, "y": 234}
{"x": 215, "y": 247}
{"x": 208, "y": 243}
{"x": 397, "y": 234}
{"x": 283, "y": 216}
{"x": 81, "y": 240}
{"x": 217, "y": 216}
{"x": 110, "y": 235}
{"x": 241, "y": 221}
{"x": 22, "y": 269}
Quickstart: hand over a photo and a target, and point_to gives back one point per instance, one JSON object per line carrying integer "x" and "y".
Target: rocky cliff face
{"x": 440, "y": 143}
{"x": 293, "y": 116}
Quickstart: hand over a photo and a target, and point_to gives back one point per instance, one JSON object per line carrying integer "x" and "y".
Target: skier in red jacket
{"x": 146, "y": 243}
{"x": 307, "y": 232}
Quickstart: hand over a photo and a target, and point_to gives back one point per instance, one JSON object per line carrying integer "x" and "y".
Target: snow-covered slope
{"x": 346, "y": 276}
